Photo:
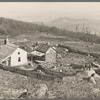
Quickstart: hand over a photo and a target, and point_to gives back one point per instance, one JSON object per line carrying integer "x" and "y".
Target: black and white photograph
{"x": 49, "y": 50}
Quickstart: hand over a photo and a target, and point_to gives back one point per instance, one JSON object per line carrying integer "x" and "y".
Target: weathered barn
{"x": 44, "y": 52}
{"x": 12, "y": 55}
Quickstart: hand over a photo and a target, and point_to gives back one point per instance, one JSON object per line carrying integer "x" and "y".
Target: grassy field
{"x": 70, "y": 87}
{"x": 11, "y": 84}
{"x": 84, "y": 46}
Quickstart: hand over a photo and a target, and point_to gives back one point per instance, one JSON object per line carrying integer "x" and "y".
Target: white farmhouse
{"x": 11, "y": 55}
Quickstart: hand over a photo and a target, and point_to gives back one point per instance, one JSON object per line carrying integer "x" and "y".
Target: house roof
{"x": 42, "y": 48}
{"x": 24, "y": 46}
{"x": 36, "y": 53}
{"x": 1, "y": 57}
{"x": 6, "y": 50}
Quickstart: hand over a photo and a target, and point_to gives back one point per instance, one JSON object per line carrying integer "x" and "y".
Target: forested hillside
{"x": 12, "y": 28}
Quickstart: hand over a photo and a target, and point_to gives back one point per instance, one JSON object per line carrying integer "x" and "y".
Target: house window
{"x": 19, "y": 59}
{"x": 18, "y": 52}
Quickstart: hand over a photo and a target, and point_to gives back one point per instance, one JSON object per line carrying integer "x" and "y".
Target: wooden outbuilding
{"x": 44, "y": 52}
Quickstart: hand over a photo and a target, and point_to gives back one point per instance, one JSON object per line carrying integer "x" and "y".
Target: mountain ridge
{"x": 71, "y": 24}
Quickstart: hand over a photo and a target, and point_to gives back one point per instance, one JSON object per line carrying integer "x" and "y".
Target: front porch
{"x": 36, "y": 56}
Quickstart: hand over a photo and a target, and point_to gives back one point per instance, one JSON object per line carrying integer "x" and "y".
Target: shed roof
{"x": 36, "y": 53}
{"x": 42, "y": 48}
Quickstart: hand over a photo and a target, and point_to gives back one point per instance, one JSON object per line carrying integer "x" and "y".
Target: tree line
{"x": 13, "y": 27}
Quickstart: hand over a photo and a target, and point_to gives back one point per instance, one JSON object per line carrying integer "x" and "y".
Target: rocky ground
{"x": 14, "y": 86}
{"x": 17, "y": 86}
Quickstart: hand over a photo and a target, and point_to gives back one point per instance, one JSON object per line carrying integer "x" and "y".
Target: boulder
{"x": 9, "y": 93}
{"x": 38, "y": 91}
{"x": 59, "y": 56}
{"x": 88, "y": 73}
{"x": 41, "y": 90}
{"x": 51, "y": 94}
{"x": 97, "y": 77}
{"x": 96, "y": 64}
{"x": 92, "y": 80}
{"x": 66, "y": 50}
{"x": 96, "y": 90}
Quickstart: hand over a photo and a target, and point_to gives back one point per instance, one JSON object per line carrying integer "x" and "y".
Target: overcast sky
{"x": 32, "y": 11}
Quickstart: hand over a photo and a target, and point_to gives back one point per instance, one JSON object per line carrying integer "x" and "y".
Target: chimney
{"x": 6, "y": 41}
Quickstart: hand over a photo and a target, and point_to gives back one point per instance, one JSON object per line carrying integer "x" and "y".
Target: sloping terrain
{"x": 72, "y": 86}
{"x": 77, "y": 25}
{"x": 69, "y": 87}
{"x": 12, "y": 28}
{"x": 24, "y": 31}
{"x": 84, "y": 46}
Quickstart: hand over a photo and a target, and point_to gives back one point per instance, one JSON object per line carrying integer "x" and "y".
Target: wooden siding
{"x": 50, "y": 55}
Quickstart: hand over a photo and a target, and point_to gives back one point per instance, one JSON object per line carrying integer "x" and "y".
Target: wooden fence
{"x": 51, "y": 72}
{"x": 33, "y": 74}
{"x": 96, "y": 55}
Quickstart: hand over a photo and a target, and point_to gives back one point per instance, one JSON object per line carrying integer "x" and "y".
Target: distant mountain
{"x": 77, "y": 25}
